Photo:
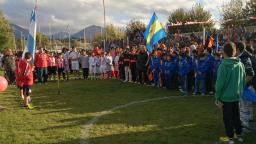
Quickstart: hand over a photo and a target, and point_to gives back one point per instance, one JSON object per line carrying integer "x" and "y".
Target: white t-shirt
{"x": 109, "y": 60}
{"x": 116, "y": 60}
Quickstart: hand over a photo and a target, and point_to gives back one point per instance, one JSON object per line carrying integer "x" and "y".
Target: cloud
{"x": 81, "y": 13}
{"x": 2, "y": 2}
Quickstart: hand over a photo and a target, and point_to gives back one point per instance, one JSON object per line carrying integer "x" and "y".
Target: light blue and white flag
{"x": 31, "y": 40}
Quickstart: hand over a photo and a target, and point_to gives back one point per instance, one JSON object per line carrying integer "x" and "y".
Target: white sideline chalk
{"x": 85, "y": 133}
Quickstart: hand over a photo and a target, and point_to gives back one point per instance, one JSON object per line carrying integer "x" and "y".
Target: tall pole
{"x": 50, "y": 33}
{"x": 69, "y": 40}
{"x": 24, "y": 43}
{"x": 14, "y": 42}
{"x": 104, "y": 10}
{"x": 204, "y": 36}
{"x": 21, "y": 40}
{"x": 84, "y": 39}
{"x": 40, "y": 40}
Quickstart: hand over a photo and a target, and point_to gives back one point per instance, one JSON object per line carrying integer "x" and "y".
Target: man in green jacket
{"x": 229, "y": 87}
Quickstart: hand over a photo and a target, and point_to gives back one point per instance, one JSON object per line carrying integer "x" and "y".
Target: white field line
{"x": 85, "y": 133}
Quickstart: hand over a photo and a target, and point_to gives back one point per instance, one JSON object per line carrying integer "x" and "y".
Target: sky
{"x": 78, "y": 14}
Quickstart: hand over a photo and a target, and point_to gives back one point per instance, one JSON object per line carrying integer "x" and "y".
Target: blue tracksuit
{"x": 169, "y": 70}
{"x": 184, "y": 69}
{"x": 200, "y": 68}
{"x": 215, "y": 68}
{"x": 210, "y": 59}
{"x": 209, "y": 74}
{"x": 156, "y": 68}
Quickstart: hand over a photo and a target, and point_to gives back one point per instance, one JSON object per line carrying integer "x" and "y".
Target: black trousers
{"x": 10, "y": 76}
{"x": 163, "y": 80}
{"x": 209, "y": 82}
{"x": 121, "y": 72}
{"x": 85, "y": 73}
{"x": 134, "y": 72}
{"x": 61, "y": 73}
{"x": 231, "y": 118}
{"x": 142, "y": 76}
{"x": 191, "y": 80}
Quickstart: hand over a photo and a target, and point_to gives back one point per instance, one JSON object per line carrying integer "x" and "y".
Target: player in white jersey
{"x": 92, "y": 66}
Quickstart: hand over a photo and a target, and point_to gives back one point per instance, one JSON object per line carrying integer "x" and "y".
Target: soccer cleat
{"x": 224, "y": 139}
{"x": 30, "y": 106}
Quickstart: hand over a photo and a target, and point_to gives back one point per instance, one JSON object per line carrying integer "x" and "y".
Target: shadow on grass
{"x": 90, "y": 96}
{"x": 81, "y": 101}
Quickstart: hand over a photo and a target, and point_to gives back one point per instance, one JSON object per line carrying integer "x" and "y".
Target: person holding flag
{"x": 26, "y": 66}
{"x": 153, "y": 34}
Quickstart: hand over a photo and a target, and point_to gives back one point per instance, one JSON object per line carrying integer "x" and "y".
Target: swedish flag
{"x": 154, "y": 32}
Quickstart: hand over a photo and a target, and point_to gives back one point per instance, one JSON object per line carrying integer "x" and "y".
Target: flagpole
{"x": 69, "y": 40}
{"x": 21, "y": 41}
{"x": 50, "y": 33}
{"x": 105, "y": 32}
{"x": 84, "y": 39}
{"x": 14, "y": 39}
{"x": 204, "y": 40}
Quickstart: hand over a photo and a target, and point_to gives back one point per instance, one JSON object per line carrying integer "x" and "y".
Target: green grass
{"x": 60, "y": 118}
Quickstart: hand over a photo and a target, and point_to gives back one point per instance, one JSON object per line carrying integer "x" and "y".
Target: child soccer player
{"x": 52, "y": 67}
{"x": 229, "y": 87}
{"x": 19, "y": 82}
{"x": 155, "y": 66}
{"x": 60, "y": 66}
{"x": 167, "y": 71}
{"x": 103, "y": 65}
{"x": 116, "y": 65}
{"x": 92, "y": 66}
{"x": 209, "y": 74}
{"x": 109, "y": 68}
{"x": 162, "y": 71}
{"x": 84, "y": 59}
{"x": 27, "y": 79}
{"x": 200, "y": 71}
{"x": 184, "y": 69}
{"x": 216, "y": 65}
{"x": 98, "y": 72}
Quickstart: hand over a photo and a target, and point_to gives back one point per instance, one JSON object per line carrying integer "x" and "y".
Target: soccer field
{"x": 109, "y": 112}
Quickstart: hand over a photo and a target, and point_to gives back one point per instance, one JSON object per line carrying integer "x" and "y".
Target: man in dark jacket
{"x": 141, "y": 65}
{"x": 246, "y": 109}
{"x": 9, "y": 66}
